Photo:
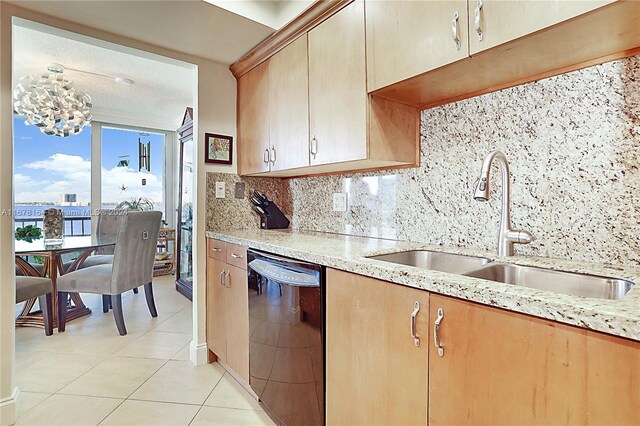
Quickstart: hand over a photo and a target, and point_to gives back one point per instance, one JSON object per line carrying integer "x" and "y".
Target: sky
{"x": 47, "y": 166}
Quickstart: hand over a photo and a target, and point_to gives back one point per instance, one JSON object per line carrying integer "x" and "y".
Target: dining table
{"x": 49, "y": 254}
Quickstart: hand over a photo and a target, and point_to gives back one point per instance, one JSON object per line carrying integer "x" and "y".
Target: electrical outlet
{"x": 220, "y": 190}
{"x": 240, "y": 187}
{"x": 339, "y": 202}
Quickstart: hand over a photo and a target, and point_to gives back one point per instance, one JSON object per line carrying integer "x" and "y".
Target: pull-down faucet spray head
{"x": 482, "y": 188}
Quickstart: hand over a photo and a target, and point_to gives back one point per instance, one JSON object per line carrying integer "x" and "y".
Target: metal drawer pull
{"x": 455, "y": 30}
{"x": 216, "y": 249}
{"x": 236, "y": 256}
{"x": 226, "y": 279}
{"x": 314, "y": 147}
{"x": 436, "y": 332}
{"x": 478, "y": 20}
{"x": 265, "y": 157}
{"x": 222, "y": 277}
{"x": 273, "y": 151}
{"x": 416, "y": 309}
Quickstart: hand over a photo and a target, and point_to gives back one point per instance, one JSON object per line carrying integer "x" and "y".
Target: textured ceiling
{"x": 190, "y": 26}
{"x": 273, "y": 13}
{"x": 158, "y": 97}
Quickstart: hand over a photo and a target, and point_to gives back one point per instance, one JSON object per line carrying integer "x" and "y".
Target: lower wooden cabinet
{"x": 501, "y": 367}
{"x": 228, "y": 315}
{"x": 375, "y": 372}
{"x": 495, "y": 367}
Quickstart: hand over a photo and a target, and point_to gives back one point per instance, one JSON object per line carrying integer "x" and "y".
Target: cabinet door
{"x": 253, "y": 120}
{"x": 407, "y": 37}
{"x": 337, "y": 87}
{"x": 502, "y": 367}
{"x": 216, "y": 308}
{"x": 375, "y": 373}
{"x": 289, "y": 106}
{"x": 502, "y": 21}
{"x": 238, "y": 322}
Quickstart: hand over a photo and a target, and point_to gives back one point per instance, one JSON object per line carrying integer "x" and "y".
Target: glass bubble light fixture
{"x": 52, "y": 104}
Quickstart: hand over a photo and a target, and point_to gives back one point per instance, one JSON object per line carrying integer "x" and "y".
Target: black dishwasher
{"x": 286, "y": 343}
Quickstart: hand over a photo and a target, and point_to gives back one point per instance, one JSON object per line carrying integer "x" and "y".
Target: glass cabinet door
{"x": 185, "y": 272}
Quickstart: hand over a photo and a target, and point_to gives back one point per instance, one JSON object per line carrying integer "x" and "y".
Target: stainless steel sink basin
{"x": 556, "y": 281}
{"x": 434, "y": 260}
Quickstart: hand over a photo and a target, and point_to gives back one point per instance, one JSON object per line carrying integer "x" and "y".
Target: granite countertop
{"x": 348, "y": 253}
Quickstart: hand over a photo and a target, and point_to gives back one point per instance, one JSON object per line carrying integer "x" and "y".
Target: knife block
{"x": 273, "y": 218}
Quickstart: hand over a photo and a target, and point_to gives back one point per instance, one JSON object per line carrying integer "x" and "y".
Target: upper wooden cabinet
{"x": 522, "y": 41}
{"x": 376, "y": 374}
{"x": 501, "y": 367}
{"x": 289, "y": 106}
{"x": 253, "y": 121}
{"x": 337, "y": 88}
{"x": 320, "y": 118}
{"x": 493, "y": 22}
{"x": 407, "y": 37}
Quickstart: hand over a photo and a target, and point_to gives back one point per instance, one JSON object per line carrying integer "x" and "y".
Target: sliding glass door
{"x": 133, "y": 169}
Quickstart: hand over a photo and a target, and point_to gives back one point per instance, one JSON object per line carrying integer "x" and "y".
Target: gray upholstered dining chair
{"x": 132, "y": 267}
{"x": 32, "y": 287}
{"x": 107, "y": 226}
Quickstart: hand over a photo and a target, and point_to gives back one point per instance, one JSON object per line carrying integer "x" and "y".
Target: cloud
{"x": 73, "y": 176}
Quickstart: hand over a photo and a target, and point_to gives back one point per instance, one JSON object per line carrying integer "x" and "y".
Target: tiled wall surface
{"x": 573, "y": 143}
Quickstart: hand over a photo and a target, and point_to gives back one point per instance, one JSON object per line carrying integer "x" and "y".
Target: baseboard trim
{"x": 9, "y": 408}
{"x": 198, "y": 353}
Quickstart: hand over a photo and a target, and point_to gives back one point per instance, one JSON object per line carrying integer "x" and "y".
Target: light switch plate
{"x": 220, "y": 190}
{"x": 339, "y": 202}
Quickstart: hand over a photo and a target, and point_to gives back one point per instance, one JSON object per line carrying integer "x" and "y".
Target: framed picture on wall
{"x": 218, "y": 148}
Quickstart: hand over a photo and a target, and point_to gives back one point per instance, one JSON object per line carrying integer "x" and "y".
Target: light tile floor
{"x": 90, "y": 375}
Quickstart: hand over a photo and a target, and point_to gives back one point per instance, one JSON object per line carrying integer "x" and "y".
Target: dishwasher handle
{"x": 283, "y": 275}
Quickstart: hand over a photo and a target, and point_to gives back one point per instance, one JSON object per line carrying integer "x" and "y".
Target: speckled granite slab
{"x": 348, "y": 253}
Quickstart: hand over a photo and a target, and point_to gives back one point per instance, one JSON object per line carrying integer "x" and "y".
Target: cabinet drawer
{"x": 237, "y": 255}
{"x": 217, "y": 249}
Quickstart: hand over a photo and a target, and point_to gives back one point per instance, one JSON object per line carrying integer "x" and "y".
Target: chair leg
{"x": 148, "y": 293}
{"x": 46, "y": 305}
{"x": 116, "y": 302}
{"x": 135, "y": 290}
{"x": 62, "y": 310}
{"x": 106, "y": 303}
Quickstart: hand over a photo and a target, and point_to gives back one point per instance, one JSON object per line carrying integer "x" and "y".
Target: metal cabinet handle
{"x": 436, "y": 332}
{"x": 222, "y": 278}
{"x": 273, "y": 151}
{"x": 236, "y": 256}
{"x": 478, "y": 20}
{"x": 455, "y": 29}
{"x": 416, "y": 309}
{"x": 265, "y": 156}
{"x": 216, "y": 249}
{"x": 314, "y": 147}
{"x": 226, "y": 279}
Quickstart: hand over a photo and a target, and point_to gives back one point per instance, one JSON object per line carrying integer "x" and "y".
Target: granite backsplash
{"x": 573, "y": 143}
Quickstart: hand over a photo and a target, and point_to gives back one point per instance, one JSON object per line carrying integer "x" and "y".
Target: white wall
{"x": 215, "y": 111}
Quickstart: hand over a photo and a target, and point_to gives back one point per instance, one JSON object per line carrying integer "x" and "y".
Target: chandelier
{"x": 52, "y": 104}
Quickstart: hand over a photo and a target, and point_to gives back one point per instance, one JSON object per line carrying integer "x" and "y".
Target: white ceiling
{"x": 190, "y": 26}
{"x": 272, "y": 13}
{"x": 158, "y": 97}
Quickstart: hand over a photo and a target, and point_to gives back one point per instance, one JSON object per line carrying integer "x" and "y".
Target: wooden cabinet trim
{"x": 308, "y": 19}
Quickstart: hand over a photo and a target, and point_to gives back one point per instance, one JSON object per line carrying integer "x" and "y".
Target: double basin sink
{"x": 575, "y": 284}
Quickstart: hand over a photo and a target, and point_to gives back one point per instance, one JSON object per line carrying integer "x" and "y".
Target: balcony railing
{"x": 75, "y": 226}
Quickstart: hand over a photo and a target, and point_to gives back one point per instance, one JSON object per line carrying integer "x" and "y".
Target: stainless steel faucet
{"x": 507, "y": 237}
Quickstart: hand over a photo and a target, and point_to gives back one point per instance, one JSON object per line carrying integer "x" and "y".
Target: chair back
{"x": 107, "y": 227}
{"x": 135, "y": 250}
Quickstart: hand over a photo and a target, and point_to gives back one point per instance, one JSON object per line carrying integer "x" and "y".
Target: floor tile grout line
{"x": 148, "y": 378}
{"x": 25, "y": 412}
{"x": 214, "y": 386}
